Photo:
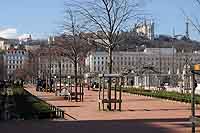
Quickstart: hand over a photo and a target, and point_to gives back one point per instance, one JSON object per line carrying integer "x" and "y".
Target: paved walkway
{"x": 139, "y": 113}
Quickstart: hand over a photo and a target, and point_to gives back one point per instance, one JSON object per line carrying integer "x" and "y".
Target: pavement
{"x": 139, "y": 114}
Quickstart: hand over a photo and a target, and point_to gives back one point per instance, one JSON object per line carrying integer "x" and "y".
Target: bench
{"x": 102, "y": 101}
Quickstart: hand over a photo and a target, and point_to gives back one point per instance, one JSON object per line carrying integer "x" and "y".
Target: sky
{"x": 43, "y": 18}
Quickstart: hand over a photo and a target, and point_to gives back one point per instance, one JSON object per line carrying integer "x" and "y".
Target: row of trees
{"x": 103, "y": 20}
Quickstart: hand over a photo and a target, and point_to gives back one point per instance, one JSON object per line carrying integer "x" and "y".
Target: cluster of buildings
{"x": 15, "y": 53}
{"x": 12, "y": 59}
{"x": 51, "y": 65}
{"x": 150, "y": 67}
{"x": 34, "y": 57}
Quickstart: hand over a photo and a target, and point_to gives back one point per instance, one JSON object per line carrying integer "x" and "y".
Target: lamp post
{"x": 60, "y": 74}
{"x": 173, "y": 54}
{"x": 55, "y": 83}
{"x": 50, "y": 41}
{"x": 60, "y": 71}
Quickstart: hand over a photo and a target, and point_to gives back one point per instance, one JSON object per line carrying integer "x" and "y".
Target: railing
{"x": 59, "y": 112}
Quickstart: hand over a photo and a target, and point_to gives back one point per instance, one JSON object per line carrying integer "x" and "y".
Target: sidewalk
{"x": 156, "y": 112}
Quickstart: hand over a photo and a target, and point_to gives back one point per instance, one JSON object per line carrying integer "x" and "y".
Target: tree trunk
{"x": 110, "y": 79}
{"x": 75, "y": 77}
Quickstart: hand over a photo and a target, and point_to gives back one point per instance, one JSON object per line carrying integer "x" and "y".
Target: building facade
{"x": 44, "y": 63}
{"x": 145, "y": 29}
{"x": 14, "y": 59}
{"x": 153, "y": 63}
{"x": 4, "y": 45}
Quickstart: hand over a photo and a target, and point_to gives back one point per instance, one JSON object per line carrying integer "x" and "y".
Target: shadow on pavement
{"x": 167, "y": 109}
{"x": 93, "y": 126}
{"x": 65, "y": 106}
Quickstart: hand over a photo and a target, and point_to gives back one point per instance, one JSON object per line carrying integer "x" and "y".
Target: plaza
{"x": 139, "y": 114}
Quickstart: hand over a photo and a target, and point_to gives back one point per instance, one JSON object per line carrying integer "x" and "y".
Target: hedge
{"x": 175, "y": 96}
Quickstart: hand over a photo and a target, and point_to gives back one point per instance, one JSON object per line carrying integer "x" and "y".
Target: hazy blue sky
{"x": 43, "y": 17}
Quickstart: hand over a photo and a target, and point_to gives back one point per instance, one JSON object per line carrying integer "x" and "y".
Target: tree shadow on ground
{"x": 90, "y": 126}
{"x": 67, "y": 106}
{"x": 161, "y": 109}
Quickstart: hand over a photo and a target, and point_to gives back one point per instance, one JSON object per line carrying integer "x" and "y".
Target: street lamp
{"x": 69, "y": 81}
{"x": 60, "y": 73}
{"x": 51, "y": 40}
{"x": 173, "y": 53}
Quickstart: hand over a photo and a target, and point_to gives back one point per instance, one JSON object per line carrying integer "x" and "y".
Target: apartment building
{"x": 67, "y": 66}
{"x": 14, "y": 59}
{"x": 164, "y": 61}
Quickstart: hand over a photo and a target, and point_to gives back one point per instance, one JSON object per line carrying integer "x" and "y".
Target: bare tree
{"x": 195, "y": 22}
{"x": 197, "y": 25}
{"x": 72, "y": 44}
{"x": 2, "y": 67}
{"x": 106, "y": 19}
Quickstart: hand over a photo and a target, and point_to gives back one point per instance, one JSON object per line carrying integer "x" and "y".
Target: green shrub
{"x": 175, "y": 96}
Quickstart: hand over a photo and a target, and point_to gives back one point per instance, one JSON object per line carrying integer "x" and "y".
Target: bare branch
{"x": 198, "y": 1}
{"x": 195, "y": 25}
